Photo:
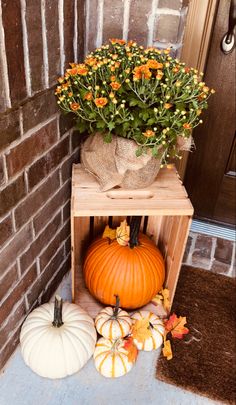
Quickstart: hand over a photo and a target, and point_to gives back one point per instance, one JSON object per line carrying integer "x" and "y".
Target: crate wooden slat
{"x": 166, "y": 212}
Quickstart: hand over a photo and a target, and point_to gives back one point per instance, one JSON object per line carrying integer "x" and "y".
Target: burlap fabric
{"x": 115, "y": 164}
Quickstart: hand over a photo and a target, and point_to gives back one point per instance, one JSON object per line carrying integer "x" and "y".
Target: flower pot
{"x": 116, "y": 164}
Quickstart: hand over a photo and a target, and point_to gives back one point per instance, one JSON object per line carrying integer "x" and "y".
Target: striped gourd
{"x": 156, "y": 327}
{"x": 112, "y": 358}
{"x": 113, "y": 323}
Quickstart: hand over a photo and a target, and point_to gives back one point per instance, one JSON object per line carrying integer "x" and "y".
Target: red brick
{"x": 2, "y": 175}
{"x": 68, "y": 246}
{"x": 53, "y": 42}
{"x": 9, "y": 128}
{"x": 139, "y": 12}
{"x": 11, "y": 15}
{"x": 68, "y": 31}
{"x": 35, "y": 46}
{"x": 6, "y": 230}
{"x": 55, "y": 281}
{"x": 17, "y": 245}
{"x": 112, "y": 20}
{"x": 66, "y": 168}
{"x": 77, "y": 139}
{"x": 66, "y": 211}
{"x": 12, "y": 194}
{"x": 202, "y": 252}
{"x": 15, "y": 318}
{"x": 9, "y": 348}
{"x": 36, "y": 200}
{"x": 47, "y": 163}
{"x": 16, "y": 294}
{"x": 220, "y": 268}
{"x": 51, "y": 207}
{"x": 172, "y": 4}
{"x": 33, "y": 146}
{"x": 66, "y": 122}
{"x": 8, "y": 280}
{"x": 45, "y": 277}
{"x": 167, "y": 28}
{"x": 48, "y": 253}
{"x": 42, "y": 241}
{"x": 38, "y": 109}
{"x": 81, "y": 29}
{"x": 224, "y": 251}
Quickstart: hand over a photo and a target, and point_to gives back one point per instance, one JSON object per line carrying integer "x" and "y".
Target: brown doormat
{"x": 206, "y": 367}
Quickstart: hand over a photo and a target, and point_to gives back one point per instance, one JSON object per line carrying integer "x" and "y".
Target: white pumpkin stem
{"x": 116, "y": 308}
{"x": 57, "y": 321}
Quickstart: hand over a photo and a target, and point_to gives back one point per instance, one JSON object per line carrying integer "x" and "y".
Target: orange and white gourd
{"x": 112, "y": 358}
{"x": 156, "y": 328}
{"x": 113, "y": 323}
{"x": 57, "y": 341}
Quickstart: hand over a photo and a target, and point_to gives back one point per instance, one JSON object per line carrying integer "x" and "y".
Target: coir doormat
{"x": 204, "y": 361}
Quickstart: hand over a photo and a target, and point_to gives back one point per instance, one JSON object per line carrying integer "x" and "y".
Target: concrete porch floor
{"x": 20, "y": 386}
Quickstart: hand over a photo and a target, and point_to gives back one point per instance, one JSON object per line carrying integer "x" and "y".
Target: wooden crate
{"x": 166, "y": 212}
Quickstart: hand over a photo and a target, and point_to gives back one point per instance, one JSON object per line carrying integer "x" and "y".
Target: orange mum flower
{"x": 175, "y": 69}
{"x": 82, "y": 70}
{"x": 187, "y": 126}
{"x": 142, "y": 71}
{"x": 148, "y": 133}
{"x": 167, "y": 106}
{"x": 60, "y": 79}
{"x": 153, "y": 64}
{"x": 115, "y": 85}
{"x": 101, "y": 102}
{"x": 91, "y": 61}
{"x": 58, "y": 90}
{"x": 117, "y": 41}
{"x": 74, "y": 106}
{"x": 72, "y": 71}
{"x": 113, "y": 78}
{"x": 88, "y": 96}
{"x": 159, "y": 74}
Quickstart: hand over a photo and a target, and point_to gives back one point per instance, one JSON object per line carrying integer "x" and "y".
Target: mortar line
{"x": 45, "y": 45}
{"x": 26, "y": 49}
{"x": 3, "y": 58}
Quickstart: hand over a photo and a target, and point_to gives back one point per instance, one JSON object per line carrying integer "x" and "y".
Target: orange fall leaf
{"x": 175, "y": 325}
{"x": 141, "y": 330}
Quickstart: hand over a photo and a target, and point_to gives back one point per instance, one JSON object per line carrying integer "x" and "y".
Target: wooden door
{"x": 210, "y": 176}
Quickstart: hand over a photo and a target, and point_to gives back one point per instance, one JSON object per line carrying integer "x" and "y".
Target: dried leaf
{"x": 131, "y": 349}
{"x": 109, "y": 233}
{"x": 175, "y": 325}
{"x": 141, "y": 330}
{"x": 167, "y": 351}
{"x": 162, "y": 298}
{"x": 123, "y": 233}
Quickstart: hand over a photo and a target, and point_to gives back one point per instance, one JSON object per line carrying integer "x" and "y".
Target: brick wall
{"x": 150, "y": 22}
{"x": 37, "y": 148}
{"x": 38, "y": 145}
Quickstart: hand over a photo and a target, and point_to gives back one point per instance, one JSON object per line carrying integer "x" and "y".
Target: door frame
{"x": 197, "y": 36}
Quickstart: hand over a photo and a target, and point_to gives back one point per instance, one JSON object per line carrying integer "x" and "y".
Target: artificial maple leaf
{"x": 175, "y": 325}
{"x": 162, "y": 298}
{"x": 123, "y": 233}
{"x": 109, "y": 233}
{"x": 167, "y": 351}
{"x": 131, "y": 349}
{"x": 141, "y": 330}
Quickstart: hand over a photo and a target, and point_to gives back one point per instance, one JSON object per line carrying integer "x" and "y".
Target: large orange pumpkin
{"x": 134, "y": 274}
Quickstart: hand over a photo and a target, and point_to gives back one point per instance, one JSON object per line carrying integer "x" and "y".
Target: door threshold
{"x": 210, "y": 229}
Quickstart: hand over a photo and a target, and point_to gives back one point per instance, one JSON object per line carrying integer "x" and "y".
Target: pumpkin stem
{"x": 116, "y": 308}
{"x": 134, "y": 230}
{"x": 57, "y": 321}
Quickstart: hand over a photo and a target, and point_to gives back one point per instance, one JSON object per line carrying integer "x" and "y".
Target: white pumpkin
{"x": 112, "y": 357}
{"x": 113, "y": 323}
{"x": 156, "y": 327}
{"x": 57, "y": 341}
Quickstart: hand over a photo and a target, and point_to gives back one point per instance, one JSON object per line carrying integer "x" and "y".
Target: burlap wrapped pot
{"x": 115, "y": 163}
